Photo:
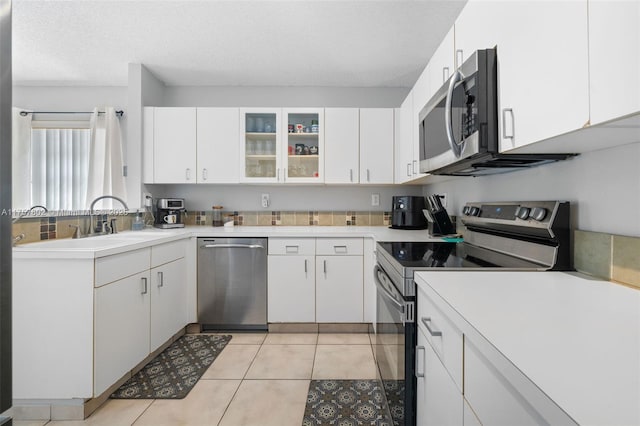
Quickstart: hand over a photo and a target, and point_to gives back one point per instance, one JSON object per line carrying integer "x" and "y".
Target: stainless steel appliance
{"x": 169, "y": 213}
{"x": 520, "y": 236}
{"x": 458, "y": 127}
{"x": 406, "y": 212}
{"x": 232, "y": 283}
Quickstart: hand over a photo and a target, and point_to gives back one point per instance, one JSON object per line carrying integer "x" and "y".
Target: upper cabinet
{"x": 614, "y": 59}
{"x": 542, "y": 51}
{"x": 190, "y": 145}
{"x": 440, "y": 67}
{"x": 303, "y": 133}
{"x": 260, "y": 145}
{"x": 341, "y": 141}
{"x": 376, "y": 145}
{"x": 403, "y": 146}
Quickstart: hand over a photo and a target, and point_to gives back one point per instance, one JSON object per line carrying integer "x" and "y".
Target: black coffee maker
{"x": 168, "y": 213}
{"x": 406, "y": 212}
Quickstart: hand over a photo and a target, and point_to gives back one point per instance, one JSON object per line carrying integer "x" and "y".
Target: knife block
{"x": 441, "y": 224}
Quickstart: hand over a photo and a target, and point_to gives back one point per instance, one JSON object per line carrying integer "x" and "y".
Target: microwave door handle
{"x": 456, "y": 148}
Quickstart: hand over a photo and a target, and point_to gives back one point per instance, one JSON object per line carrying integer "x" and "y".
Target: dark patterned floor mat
{"x": 176, "y": 370}
{"x": 394, "y": 390}
{"x": 345, "y": 403}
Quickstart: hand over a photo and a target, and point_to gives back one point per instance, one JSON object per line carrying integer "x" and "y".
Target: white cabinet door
{"x": 174, "y": 145}
{"x": 469, "y": 417}
{"x": 403, "y": 143}
{"x": 614, "y": 58}
{"x": 291, "y": 289}
{"x": 218, "y": 135}
{"x": 441, "y": 65}
{"x": 341, "y": 145}
{"x": 443, "y": 403}
{"x": 542, "y": 64}
{"x": 168, "y": 289}
{"x": 260, "y": 150}
{"x": 121, "y": 329}
{"x": 376, "y": 145}
{"x": 339, "y": 291}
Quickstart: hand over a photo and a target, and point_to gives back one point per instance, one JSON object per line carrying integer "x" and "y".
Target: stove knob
{"x": 538, "y": 213}
{"x": 401, "y": 206}
{"x": 466, "y": 210}
{"x": 475, "y": 211}
{"x": 523, "y": 212}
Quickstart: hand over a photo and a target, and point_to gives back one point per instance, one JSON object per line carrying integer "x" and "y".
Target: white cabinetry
{"x": 341, "y": 142}
{"x": 217, "y": 145}
{"x": 174, "y": 145}
{"x": 614, "y": 59}
{"x": 441, "y": 66}
{"x": 536, "y": 43}
{"x": 403, "y": 144}
{"x": 376, "y": 145}
{"x": 291, "y": 280}
{"x": 339, "y": 290}
{"x": 190, "y": 145}
{"x": 121, "y": 328}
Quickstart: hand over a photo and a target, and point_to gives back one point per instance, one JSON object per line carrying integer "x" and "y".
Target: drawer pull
{"x": 418, "y": 373}
{"x": 340, "y": 249}
{"x": 425, "y": 321}
{"x": 291, "y": 249}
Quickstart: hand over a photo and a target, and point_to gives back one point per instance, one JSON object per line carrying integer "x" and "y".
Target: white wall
{"x": 602, "y": 186}
{"x": 217, "y": 96}
{"x": 283, "y": 197}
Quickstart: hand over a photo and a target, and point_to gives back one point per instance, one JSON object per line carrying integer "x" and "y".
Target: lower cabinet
{"x": 168, "y": 290}
{"x": 121, "y": 330}
{"x": 339, "y": 289}
{"x": 315, "y": 280}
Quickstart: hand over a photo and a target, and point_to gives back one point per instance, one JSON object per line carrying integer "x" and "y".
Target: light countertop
{"x": 575, "y": 337}
{"x": 100, "y": 246}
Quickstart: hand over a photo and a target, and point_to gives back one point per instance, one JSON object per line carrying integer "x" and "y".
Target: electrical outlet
{"x": 265, "y": 200}
{"x": 375, "y": 199}
{"x": 147, "y": 199}
{"x": 443, "y": 199}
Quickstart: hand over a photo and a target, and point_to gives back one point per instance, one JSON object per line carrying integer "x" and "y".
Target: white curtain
{"x": 105, "y": 160}
{"x": 21, "y": 160}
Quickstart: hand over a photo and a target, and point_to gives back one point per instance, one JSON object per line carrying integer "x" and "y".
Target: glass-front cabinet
{"x": 303, "y": 131}
{"x": 282, "y": 145}
{"x": 260, "y": 149}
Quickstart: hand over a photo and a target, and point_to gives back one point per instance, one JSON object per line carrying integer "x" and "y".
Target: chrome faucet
{"x": 23, "y": 214}
{"x": 100, "y": 230}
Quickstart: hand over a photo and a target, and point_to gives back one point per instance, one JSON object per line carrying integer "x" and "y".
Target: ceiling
{"x": 330, "y": 43}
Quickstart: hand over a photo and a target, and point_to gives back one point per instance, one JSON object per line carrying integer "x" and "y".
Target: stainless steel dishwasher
{"x": 232, "y": 283}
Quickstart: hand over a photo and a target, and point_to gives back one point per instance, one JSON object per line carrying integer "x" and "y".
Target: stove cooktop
{"x": 427, "y": 255}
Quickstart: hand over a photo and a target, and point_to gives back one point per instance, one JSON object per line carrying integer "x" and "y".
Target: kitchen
{"x": 557, "y": 94}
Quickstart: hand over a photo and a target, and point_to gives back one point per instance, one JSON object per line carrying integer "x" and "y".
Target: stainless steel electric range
{"x": 510, "y": 236}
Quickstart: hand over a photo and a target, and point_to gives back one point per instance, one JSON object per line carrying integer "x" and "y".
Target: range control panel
{"x": 535, "y": 210}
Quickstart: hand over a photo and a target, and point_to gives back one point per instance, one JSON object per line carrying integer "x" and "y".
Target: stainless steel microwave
{"x": 458, "y": 127}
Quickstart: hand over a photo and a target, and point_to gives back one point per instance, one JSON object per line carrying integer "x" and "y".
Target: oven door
{"x": 394, "y": 345}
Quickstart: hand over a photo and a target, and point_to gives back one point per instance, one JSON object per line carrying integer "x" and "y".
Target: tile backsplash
{"x": 295, "y": 218}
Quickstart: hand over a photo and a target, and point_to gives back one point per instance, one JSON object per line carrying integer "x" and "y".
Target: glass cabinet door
{"x": 304, "y": 145}
{"x": 260, "y": 148}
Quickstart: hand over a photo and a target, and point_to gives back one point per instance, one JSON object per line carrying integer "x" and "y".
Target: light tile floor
{"x": 258, "y": 380}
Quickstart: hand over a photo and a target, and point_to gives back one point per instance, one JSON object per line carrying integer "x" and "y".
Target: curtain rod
{"x": 25, "y": 113}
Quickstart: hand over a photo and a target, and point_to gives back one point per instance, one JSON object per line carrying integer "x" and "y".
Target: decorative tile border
{"x": 294, "y": 218}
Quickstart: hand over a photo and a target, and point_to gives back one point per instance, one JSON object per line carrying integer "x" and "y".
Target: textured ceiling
{"x": 365, "y": 43}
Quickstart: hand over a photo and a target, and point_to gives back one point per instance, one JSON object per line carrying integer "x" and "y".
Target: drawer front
{"x": 168, "y": 252}
{"x": 293, "y": 247}
{"x": 442, "y": 335}
{"x": 339, "y": 247}
{"x": 118, "y": 266}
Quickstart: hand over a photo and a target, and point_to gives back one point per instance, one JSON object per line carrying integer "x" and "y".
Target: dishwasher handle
{"x": 248, "y": 246}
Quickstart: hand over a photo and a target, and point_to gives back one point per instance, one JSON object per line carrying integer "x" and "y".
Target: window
{"x": 60, "y": 164}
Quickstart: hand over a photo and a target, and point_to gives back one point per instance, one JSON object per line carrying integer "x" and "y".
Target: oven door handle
{"x": 376, "y": 272}
{"x": 456, "y": 147}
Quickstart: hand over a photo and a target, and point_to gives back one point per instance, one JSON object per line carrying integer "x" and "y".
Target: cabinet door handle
{"x": 325, "y": 267}
{"x": 504, "y": 123}
{"x": 188, "y": 174}
{"x": 351, "y": 175}
{"x": 418, "y": 349}
{"x": 368, "y": 175}
{"x": 160, "y": 279}
{"x": 284, "y": 174}
{"x": 305, "y": 266}
{"x": 445, "y": 74}
{"x": 425, "y": 321}
{"x": 415, "y": 167}
{"x": 144, "y": 285}
{"x": 409, "y": 169}
{"x": 205, "y": 174}
{"x": 278, "y": 174}
{"x": 459, "y": 58}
